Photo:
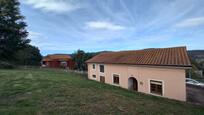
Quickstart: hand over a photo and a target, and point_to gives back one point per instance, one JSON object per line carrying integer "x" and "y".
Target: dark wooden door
{"x": 135, "y": 85}
{"x": 102, "y": 79}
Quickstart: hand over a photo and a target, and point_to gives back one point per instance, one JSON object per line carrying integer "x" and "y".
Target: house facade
{"x": 159, "y": 72}
{"x": 58, "y": 61}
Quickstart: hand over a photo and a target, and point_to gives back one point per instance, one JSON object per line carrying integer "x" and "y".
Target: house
{"x": 58, "y": 61}
{"x": 159, "y": 72}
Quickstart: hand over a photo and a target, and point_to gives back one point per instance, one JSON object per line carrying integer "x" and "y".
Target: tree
{"x": 12, "y": 30}
{"x": 30, "y": 55}
{"x": 80, "y": 57}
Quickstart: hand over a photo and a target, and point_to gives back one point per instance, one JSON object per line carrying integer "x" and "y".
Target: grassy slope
{"x": 57, "y": 92}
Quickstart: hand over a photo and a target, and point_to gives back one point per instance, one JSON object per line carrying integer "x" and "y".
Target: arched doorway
{"x": 132, "y": 84}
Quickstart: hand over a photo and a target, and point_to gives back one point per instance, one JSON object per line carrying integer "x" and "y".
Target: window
{"x": 116, "y": 79}
{"x": 94, "y": 66}
{"x": 102, "y": 68}
{"x": 63, "y": 64}
{"x": 94, "y": 76}
{"x": 156, "y": 87}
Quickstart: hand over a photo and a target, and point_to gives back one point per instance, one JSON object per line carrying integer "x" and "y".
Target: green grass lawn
{"x": 41, "y": 91}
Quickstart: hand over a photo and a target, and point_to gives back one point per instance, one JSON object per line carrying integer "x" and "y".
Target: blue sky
{"x": 63, "y": 26}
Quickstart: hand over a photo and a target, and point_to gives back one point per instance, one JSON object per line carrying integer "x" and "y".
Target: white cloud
{"x": 191, "y": 22}
{"x": 104, "y": 25}
{"x": 57, "y": 6}
{"x": 35, "y": 36}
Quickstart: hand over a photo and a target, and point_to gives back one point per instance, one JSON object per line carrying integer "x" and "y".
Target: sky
{"x": 64, "y": 26}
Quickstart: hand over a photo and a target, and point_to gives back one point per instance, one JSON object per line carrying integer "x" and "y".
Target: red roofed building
{"x": 159, "y": 72}
{"x": 58, "y": 61}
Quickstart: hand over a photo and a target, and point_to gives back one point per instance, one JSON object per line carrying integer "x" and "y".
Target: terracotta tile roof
{"x": 176, "y": 56}
{"x": 60, "y": 57}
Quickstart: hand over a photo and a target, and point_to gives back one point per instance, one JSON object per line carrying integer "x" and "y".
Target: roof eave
{"x": 177, "y": 66}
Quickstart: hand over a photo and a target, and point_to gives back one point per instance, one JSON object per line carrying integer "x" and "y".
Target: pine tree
{"x": 12, "y": 29}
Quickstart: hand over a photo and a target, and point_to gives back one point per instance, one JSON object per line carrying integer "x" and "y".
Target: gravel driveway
{"x": 195, "y": 94}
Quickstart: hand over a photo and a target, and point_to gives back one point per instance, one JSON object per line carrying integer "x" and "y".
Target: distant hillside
{"x": 196, "y": 52}
{"x": 197, "y": 55}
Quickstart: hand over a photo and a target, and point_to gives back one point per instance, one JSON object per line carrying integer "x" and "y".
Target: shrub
{"x": 6, "y": 65}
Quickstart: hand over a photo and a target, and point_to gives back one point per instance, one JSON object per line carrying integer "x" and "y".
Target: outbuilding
{"x": 58, "y": 61}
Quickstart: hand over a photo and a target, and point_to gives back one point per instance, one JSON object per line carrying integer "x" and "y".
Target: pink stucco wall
{"x": 173, "y": 79}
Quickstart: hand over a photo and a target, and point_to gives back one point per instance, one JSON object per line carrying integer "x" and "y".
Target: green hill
{"x": 45, "y": 92}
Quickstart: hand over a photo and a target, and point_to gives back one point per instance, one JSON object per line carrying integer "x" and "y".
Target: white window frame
{"x": 113, "y": 79}
{"x": 100, "y": 69}
{"x": 149, "y": 86}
